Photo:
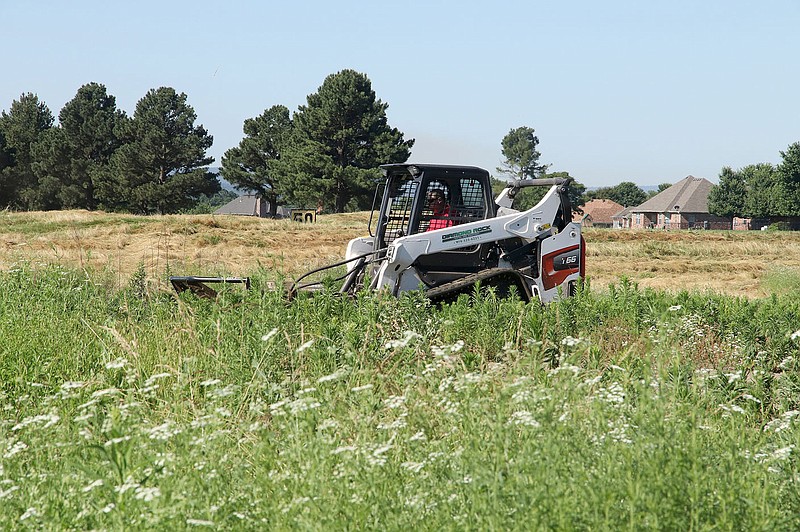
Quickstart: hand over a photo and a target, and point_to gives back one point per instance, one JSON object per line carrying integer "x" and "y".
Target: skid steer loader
{"x": 439, "y": 229}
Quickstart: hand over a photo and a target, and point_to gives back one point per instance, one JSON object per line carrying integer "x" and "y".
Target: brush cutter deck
{"x": 198, "y": 286}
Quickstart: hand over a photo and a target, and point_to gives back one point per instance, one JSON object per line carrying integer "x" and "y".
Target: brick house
{"x": 622, "y": 219}
{"x": 598, "y": 213}
{"x": 684, "y": 205}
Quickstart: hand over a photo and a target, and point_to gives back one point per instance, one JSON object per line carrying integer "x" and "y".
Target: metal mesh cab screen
{"x": 466, "y": 204}
{"x": 399, "y": 212}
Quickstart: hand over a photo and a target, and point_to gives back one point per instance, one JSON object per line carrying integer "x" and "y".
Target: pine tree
{"x": 340, "y": 138}
{"x": 22, "y": 127}
{"x": 250, "y": 166}
{"x": 162, "y": 167}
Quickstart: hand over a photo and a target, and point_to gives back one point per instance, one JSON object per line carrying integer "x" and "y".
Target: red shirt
{"x": 440, "y": 220}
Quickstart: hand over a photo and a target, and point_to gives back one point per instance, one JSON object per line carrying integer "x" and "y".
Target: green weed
{"x": 629, "y": 409}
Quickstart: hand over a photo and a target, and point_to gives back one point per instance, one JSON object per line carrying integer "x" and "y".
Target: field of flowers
{"x": 627, "y": 408}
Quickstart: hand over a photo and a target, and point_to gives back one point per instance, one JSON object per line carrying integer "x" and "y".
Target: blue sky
{"x": 617, "y": 91}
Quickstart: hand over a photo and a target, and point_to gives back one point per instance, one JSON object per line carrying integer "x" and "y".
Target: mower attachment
{"x": 197, "y": 285}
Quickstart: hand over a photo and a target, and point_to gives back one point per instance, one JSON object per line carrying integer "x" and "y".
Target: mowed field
{"x": 751, "y": 264}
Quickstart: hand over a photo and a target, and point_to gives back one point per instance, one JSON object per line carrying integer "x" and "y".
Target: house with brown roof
{"x": 597, "y": 213}
{"x": 684, "y": 205}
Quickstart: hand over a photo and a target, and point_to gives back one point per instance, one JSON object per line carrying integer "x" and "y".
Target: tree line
{"x": 98, "y": 158}
{"x": 760, "y": 190}
{"x": 155, "y": 161}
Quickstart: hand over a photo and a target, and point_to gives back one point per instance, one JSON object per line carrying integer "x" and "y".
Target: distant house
{"x": 598, "y": 213}
{"x": 248, "y": 205}
{"x": 684, "y": 205}
{"x": 622, "y": 219}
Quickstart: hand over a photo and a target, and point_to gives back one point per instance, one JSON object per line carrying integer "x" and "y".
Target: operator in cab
{"x": 441, "y": 210}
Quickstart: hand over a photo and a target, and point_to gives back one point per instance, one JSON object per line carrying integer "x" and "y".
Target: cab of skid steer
{"x": 405, "y": 210}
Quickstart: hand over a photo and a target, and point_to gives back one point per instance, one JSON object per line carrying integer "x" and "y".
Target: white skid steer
{"x": 439, "y": 230}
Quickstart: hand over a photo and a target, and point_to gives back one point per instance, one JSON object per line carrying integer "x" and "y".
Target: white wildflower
{"x": 226, "y": 391}
{"x": 200, "y": 522}
{"x": 7, "y": 493}
{"x": 305, "y": 346}
{"x": 108, "y": 508}
{"x": 328, "y": 424}
{"x": 749, "y": 397}
{"x": 569, "y": 341}
{"x": 116, "y": 441}
{"x": 14, "y": 449}
{"x": 521, "y": 396}
{"x": 783, "y": 453}
{"x": 336, "y": 375}
{"x": 146, "y": 494}
{"x": 92, "y": 485}
{"x": 267, "y": 337}
{"x": 117, "y": 363}
{"x": 575, "y": 370}
{"x": 795, "y": 335}
{"x": 163, "y": 432}
{"x": 419, "y": 436}
{"x": 72, "y": 385}
{"x": 363, "y": 388}
{"x": 414, "y": 467}
{"x": 210, "y": 382}
{"x": 675, "y": 308}
{"x": 733, "y": 377}
{"x": 105, "y": 392}
{"x": 732, "y": 408}
{"x": 30, "y": 512}
{"x": 408, "y": 336}
{"x": 523, "y": 417}
{"x": 614, "y": 394}
{"x": 593, "y": 381}
{"x": 47, "y": 420}
{"x": 297, "y": 501}
{"x": 129, "y": 484}
{"x": 398, "y": 423}
{"x": 394, "y": 401}
{"x": 345, "y": 448}
{"x": 158, "y": 376}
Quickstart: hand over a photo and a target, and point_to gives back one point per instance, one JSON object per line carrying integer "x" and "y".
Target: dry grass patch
{"x": 749, "y": 264}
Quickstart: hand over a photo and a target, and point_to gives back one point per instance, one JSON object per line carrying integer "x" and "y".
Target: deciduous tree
{"x": 787, "y": 189}
{"x": 250, "y": 166}
{"x": 627, "y": 194}
{"x": 729, "y": 196}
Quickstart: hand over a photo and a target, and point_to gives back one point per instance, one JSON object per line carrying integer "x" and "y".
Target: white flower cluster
{"x": 782, "y": 423}
{"x": 614, "y": 394}
{"x": 408, "y": 337}
{"x": 335, "y": 376}
{"x": 46, "y": 420}
{"x": 523, "y": 417}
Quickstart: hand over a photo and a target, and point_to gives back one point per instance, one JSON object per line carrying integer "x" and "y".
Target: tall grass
{"x": 627, "y": 409}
